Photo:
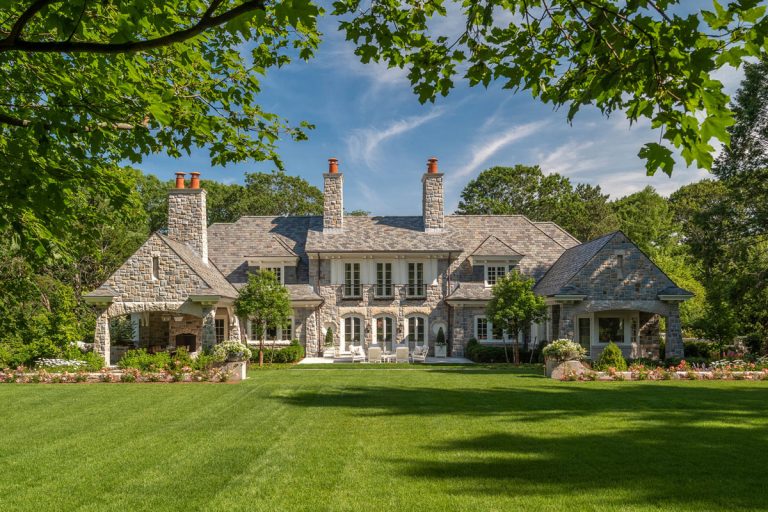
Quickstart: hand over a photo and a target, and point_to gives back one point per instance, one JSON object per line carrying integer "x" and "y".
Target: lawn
{"x": 373, "y": 439}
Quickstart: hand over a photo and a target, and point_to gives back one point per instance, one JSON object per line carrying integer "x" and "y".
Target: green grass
{"x": 432, "y": 438}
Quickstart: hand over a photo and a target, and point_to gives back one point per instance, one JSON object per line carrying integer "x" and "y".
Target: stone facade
{"x": 333, "y": 202}
{"x": 432, "y": 202}
{"x": 188, "y": 219}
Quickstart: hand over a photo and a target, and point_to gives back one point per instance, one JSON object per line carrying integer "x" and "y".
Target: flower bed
{"x": 719, "y": 370}
{"x": 22, "y": 375}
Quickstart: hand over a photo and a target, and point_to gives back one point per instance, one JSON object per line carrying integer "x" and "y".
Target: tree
{"x": 514, "y": 306}
{"x": 634, "y": 57}
{"x": 278, "y": 193}
{"x": 526, "y": 190}
{"x": 264, "y": 301}
{"x": 90, "y": 84}
{"x": 645, "y": 217}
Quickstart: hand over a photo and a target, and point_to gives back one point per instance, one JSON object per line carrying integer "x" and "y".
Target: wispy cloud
{"x": 482, "y": 152}
{"x": 363, "y": 144}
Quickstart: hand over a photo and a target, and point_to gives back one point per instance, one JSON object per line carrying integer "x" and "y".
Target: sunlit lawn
{"x": 398, "y": 439}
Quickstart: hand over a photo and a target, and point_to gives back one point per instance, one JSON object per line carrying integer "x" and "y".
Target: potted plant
{"x": 561, "y": 351}
{"x": 231, "y": 351}
{"x": 441, "y": 348}
{"x": 328, "y": 350}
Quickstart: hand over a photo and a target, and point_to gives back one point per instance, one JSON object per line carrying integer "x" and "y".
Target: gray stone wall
{"x": 432, "y": 202}
{"x": 333, "y": 202}
{"x": 188, "y": 219}
{"x": 134, "y": 281}
{"x": 620, "y": 271}
{"x": 463, "y": 327}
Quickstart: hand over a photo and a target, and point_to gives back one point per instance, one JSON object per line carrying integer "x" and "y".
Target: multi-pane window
{"x": 415, "y": 280}
{"x": 384, "y": 332}
{"x": 352, "y": 330}
{"x": 278, "y": 271}
{"x": 383, "y": 279}
{"x": 155, "y": 267}
{"x": 219, "y": 325}
{"x": 416, "y": 329}
{"x": 493, "y": 273}
{"x": 282, "y": 333}
{"x": 486, "y": 331}
{"x": 352, "y": 280}
{"x": 481, "y": 328}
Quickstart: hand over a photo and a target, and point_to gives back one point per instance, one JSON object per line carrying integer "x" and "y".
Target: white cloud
{"x": 363, "y": 144}
{"x": 490, "y": 146}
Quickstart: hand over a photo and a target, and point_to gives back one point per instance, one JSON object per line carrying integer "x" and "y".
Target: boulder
{"x": 559, "y": 371}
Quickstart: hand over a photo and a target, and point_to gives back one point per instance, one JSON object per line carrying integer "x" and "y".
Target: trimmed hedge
{"x": 494, "y": 353}
{"x": 611, "y": 357}
{"x": 293, "y": 353}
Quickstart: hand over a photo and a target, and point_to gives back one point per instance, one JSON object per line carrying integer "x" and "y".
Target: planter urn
{"x": 441, "y": 350}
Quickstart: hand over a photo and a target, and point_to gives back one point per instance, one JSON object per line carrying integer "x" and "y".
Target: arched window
{"x": 384, "y": 327}
{"x": 353, "y": 332}
{"x": 417, "y": 331}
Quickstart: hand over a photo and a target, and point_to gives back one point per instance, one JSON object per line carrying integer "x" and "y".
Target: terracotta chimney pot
{"x": 432, "y": 165}
{"x": 180, "y": 179}
{"x": 333, "y": 165}
{"x": 195, "y": 180}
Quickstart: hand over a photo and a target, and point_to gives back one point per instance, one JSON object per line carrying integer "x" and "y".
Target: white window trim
{"x": 504, "y": 334}
{"x": 509, "y": 267}
{"x": 344, "y": 279}
{"x": 251, "y": 336}
{"x": 626, "y": 316}
{"x": 271, "y": 268}
{"x": 376, "y": 294}
{"x": 422, "y": 284}
{"x": 342, "y": 331}
{"x": 426, "y": 329}
{"x": 375, "y": 333}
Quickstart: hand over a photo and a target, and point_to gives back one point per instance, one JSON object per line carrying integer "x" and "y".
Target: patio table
{"x": 387, "y": 357}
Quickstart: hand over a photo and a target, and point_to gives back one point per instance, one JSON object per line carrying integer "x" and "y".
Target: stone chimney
{"x": 333, "y": 198}
{"x": 188, "y": 215}
{"x": 432, "y": 200}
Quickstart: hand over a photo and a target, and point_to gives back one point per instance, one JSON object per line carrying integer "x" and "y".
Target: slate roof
{"x": 492, "y": 246}
{"x": 676, "y": 290}
{"x": 540, "y": 244}
{"x": 275, "y": 246}
{"x": 298, "y": 292}
{"x": 568, "y": 265}
{"x": 217, "y": 283}
{"x": 470, "y": 291}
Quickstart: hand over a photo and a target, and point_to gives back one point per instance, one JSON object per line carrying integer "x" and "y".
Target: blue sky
{"x": 369, "y": 118}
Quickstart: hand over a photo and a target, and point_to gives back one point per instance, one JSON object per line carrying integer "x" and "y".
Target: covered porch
{"x": 634, "y": 326}
{"x": 196, "y": 324}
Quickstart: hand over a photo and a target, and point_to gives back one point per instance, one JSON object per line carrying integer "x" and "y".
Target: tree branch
{"x": 12, "y": 43}
{"x": 26, "y": 123}
{"x": 33, "y": 9}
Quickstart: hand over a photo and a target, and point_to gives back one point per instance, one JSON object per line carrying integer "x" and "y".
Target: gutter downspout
{"x": 317, "y": 311}
{"x": 450, "y": 308}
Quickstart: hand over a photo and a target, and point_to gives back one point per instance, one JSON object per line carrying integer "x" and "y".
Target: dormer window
{"x": 278, "y": 271}
{"x": 495, "y": 271}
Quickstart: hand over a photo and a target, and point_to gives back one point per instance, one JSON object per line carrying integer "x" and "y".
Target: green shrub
{"x": 487, "y": 353}
{"x": 293, "y": 353}
{"x": 702, "y": 349}
{"x": 93, "y": 361}
{"x": 611, "y": 357}
{"x": 440, "y": 339}
{"x": 204, "y": 361}
{"x": 142, "y": 360}
{"x": 329, "y": 337}
{"x": 181, "y": 358}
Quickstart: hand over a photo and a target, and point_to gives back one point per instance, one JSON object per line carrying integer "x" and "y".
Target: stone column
{"x": 311, "y": 337}
{"x": 234, "y": 328}
{"x": 674, "y": 342}
{"x": 209, "y": 327}
{"x": 333, "y": 199}
{"x": 101, "y": 343}
{"x": 432, "y": 199}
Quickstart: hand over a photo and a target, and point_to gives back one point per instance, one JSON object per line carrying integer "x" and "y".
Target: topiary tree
{"x": 329, "y": 337}
{"x": 440, "y": 338}
{"x": 266, "y": 302}
{"x": 514, "y": 306}
{"x": 611, "y": 358}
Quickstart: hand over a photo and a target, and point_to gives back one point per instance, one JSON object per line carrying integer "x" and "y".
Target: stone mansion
{"x": 383, "y": 280}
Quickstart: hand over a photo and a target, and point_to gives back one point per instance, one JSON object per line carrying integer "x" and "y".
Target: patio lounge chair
{"x": 420, "y": 354}
{"x": 358, "y": 354}
{"x": 401, "y": 355}
{"x": 374, "y": 354}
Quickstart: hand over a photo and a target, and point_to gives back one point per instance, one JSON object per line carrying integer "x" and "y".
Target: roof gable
{"x": 568, "y": 265}
{"x": 492, "y": 246}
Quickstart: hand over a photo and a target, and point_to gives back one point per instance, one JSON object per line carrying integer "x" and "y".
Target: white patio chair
{"x": 374, "y": 354}
{"x": 358, "y": 354}
{"x": 401, "y": 355}
{"x": 420, "y": 354}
